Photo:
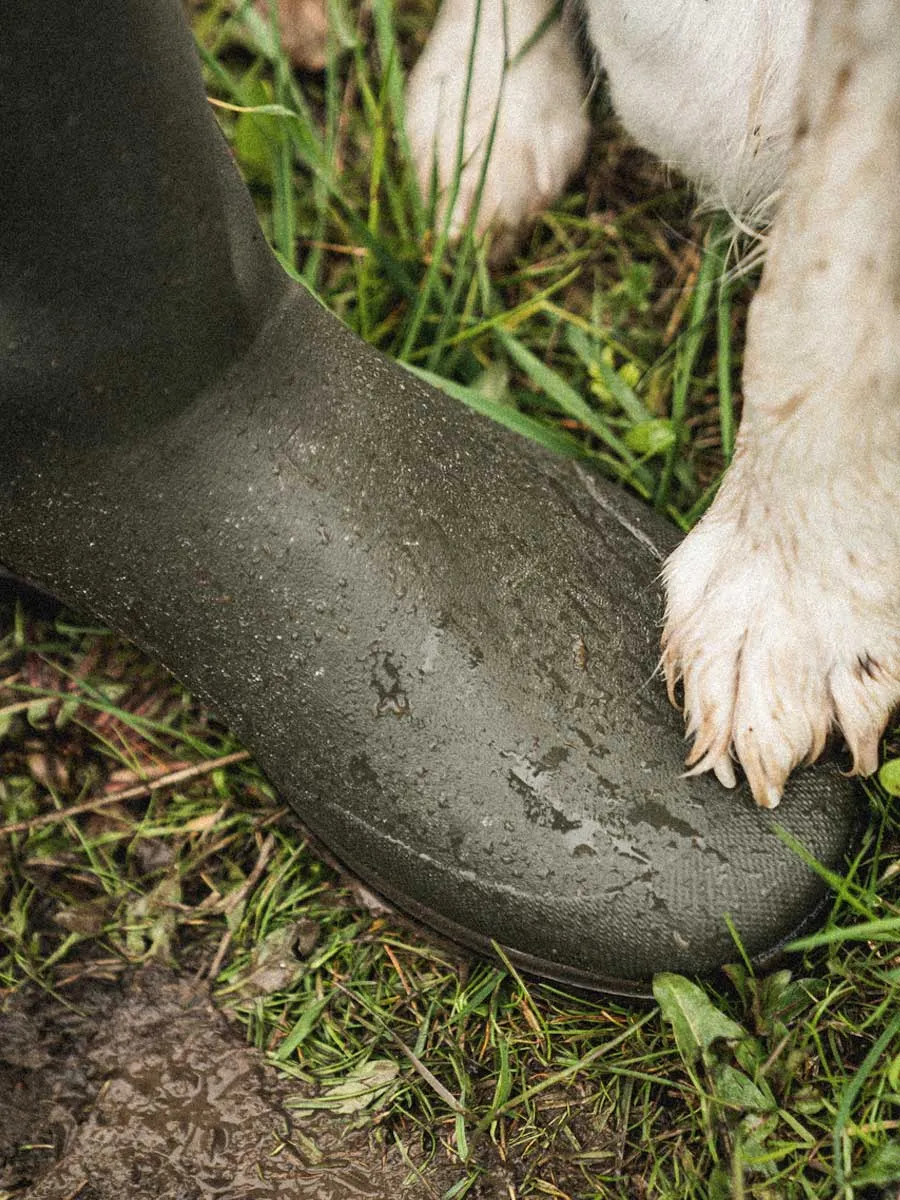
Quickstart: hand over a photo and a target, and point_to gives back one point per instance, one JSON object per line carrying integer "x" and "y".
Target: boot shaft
{"x": 132, "y": 268}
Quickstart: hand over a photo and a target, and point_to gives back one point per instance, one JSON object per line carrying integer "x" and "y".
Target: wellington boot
{"x": 439, "y": 641}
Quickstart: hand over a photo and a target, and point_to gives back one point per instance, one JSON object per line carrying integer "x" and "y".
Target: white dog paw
{"x": 780, "y": 637}
{"x": 523, "y": 101}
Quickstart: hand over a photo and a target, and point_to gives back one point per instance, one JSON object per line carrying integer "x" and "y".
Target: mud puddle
{"x": 146, "y": 1091}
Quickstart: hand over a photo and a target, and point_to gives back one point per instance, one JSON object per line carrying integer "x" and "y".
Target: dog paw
{"x": 514, "y": 87}
{"x": 780, "y": 635}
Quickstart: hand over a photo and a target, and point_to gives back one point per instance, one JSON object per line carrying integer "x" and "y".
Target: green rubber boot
{"x": 439, "y": 641}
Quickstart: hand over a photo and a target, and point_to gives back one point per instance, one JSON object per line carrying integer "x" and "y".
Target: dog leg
{"x": 506, "y": 66}
{"x": 783, "y": 616}
{"x": 708, "y": 88}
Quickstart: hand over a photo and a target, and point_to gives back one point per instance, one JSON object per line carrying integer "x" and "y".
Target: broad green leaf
{"x": 719, "y": 1184}
{"x": 881, "y": 1168}
{"x": 695, "y": 1020}
{"x": 889, "y": 776}
{"x": 749, "y": 1055}
{"x": 754, "y": 1133}
{"x": 253, "y": 144}
{"x": 361, "y": 1086}
{"x": 734, "y": 1087}
{"x": 273, "y": 965}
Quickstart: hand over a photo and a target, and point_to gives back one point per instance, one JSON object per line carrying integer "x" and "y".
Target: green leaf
{"x": 547, "y": 435}
{"x": 273, "y": 965}
{"x": 493, "y": 383}
{"x": 881, "y": 1168}
{"x": 462, "y": 1144}
{"x": 361, "y": 1087}
{"x": 883, "y": 929}
{"x": 735, "y": 1088}
{"x": 749, "y": 1055}
{"x": 302, "y": 1028}
{"x": 719, "y": 1184}
{"x": 889, "y": 776}
{"x": 753, "y": 1135}
{"x": 607, "y": 383}
{"x": 256, "y": 133}
{"x": 650, "y": 437}
{"x": 66, "y": 712}
{"x": 566, "y": 398}
{"x": 503, "y": 1086}
{"x": 37, "y": 712}
{"x": 695, "y": 1020}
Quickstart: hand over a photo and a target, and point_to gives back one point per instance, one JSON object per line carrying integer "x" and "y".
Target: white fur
{"x": 708, "y": 86}
{"x": 784, "y": 602}
{"x": 783, "y": 613}
{"x": 541, "y": 125}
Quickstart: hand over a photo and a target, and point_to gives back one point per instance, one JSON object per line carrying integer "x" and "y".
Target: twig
{"x": 141, "y": 789}
{"x": 266, "y": 851}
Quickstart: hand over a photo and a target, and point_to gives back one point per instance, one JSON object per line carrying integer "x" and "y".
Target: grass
{"x": 609, "y": 336}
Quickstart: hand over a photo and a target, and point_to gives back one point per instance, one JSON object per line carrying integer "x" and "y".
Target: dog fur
{"x": 783, "y": 604}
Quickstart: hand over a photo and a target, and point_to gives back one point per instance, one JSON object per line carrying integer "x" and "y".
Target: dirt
{"x": 145, "y": 1090}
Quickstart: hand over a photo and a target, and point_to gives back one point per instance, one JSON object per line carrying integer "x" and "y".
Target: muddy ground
{"x": 143, "y": 1089}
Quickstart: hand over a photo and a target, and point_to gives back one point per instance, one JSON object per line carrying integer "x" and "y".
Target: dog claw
{"x": 723, "y": 769}
{"x": 767, "y": 795}
{"x": 866, "y": 754}
{"x": 767, "y": 673}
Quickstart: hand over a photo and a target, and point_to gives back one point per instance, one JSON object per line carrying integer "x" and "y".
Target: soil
{"x": 145, "y": 1090}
